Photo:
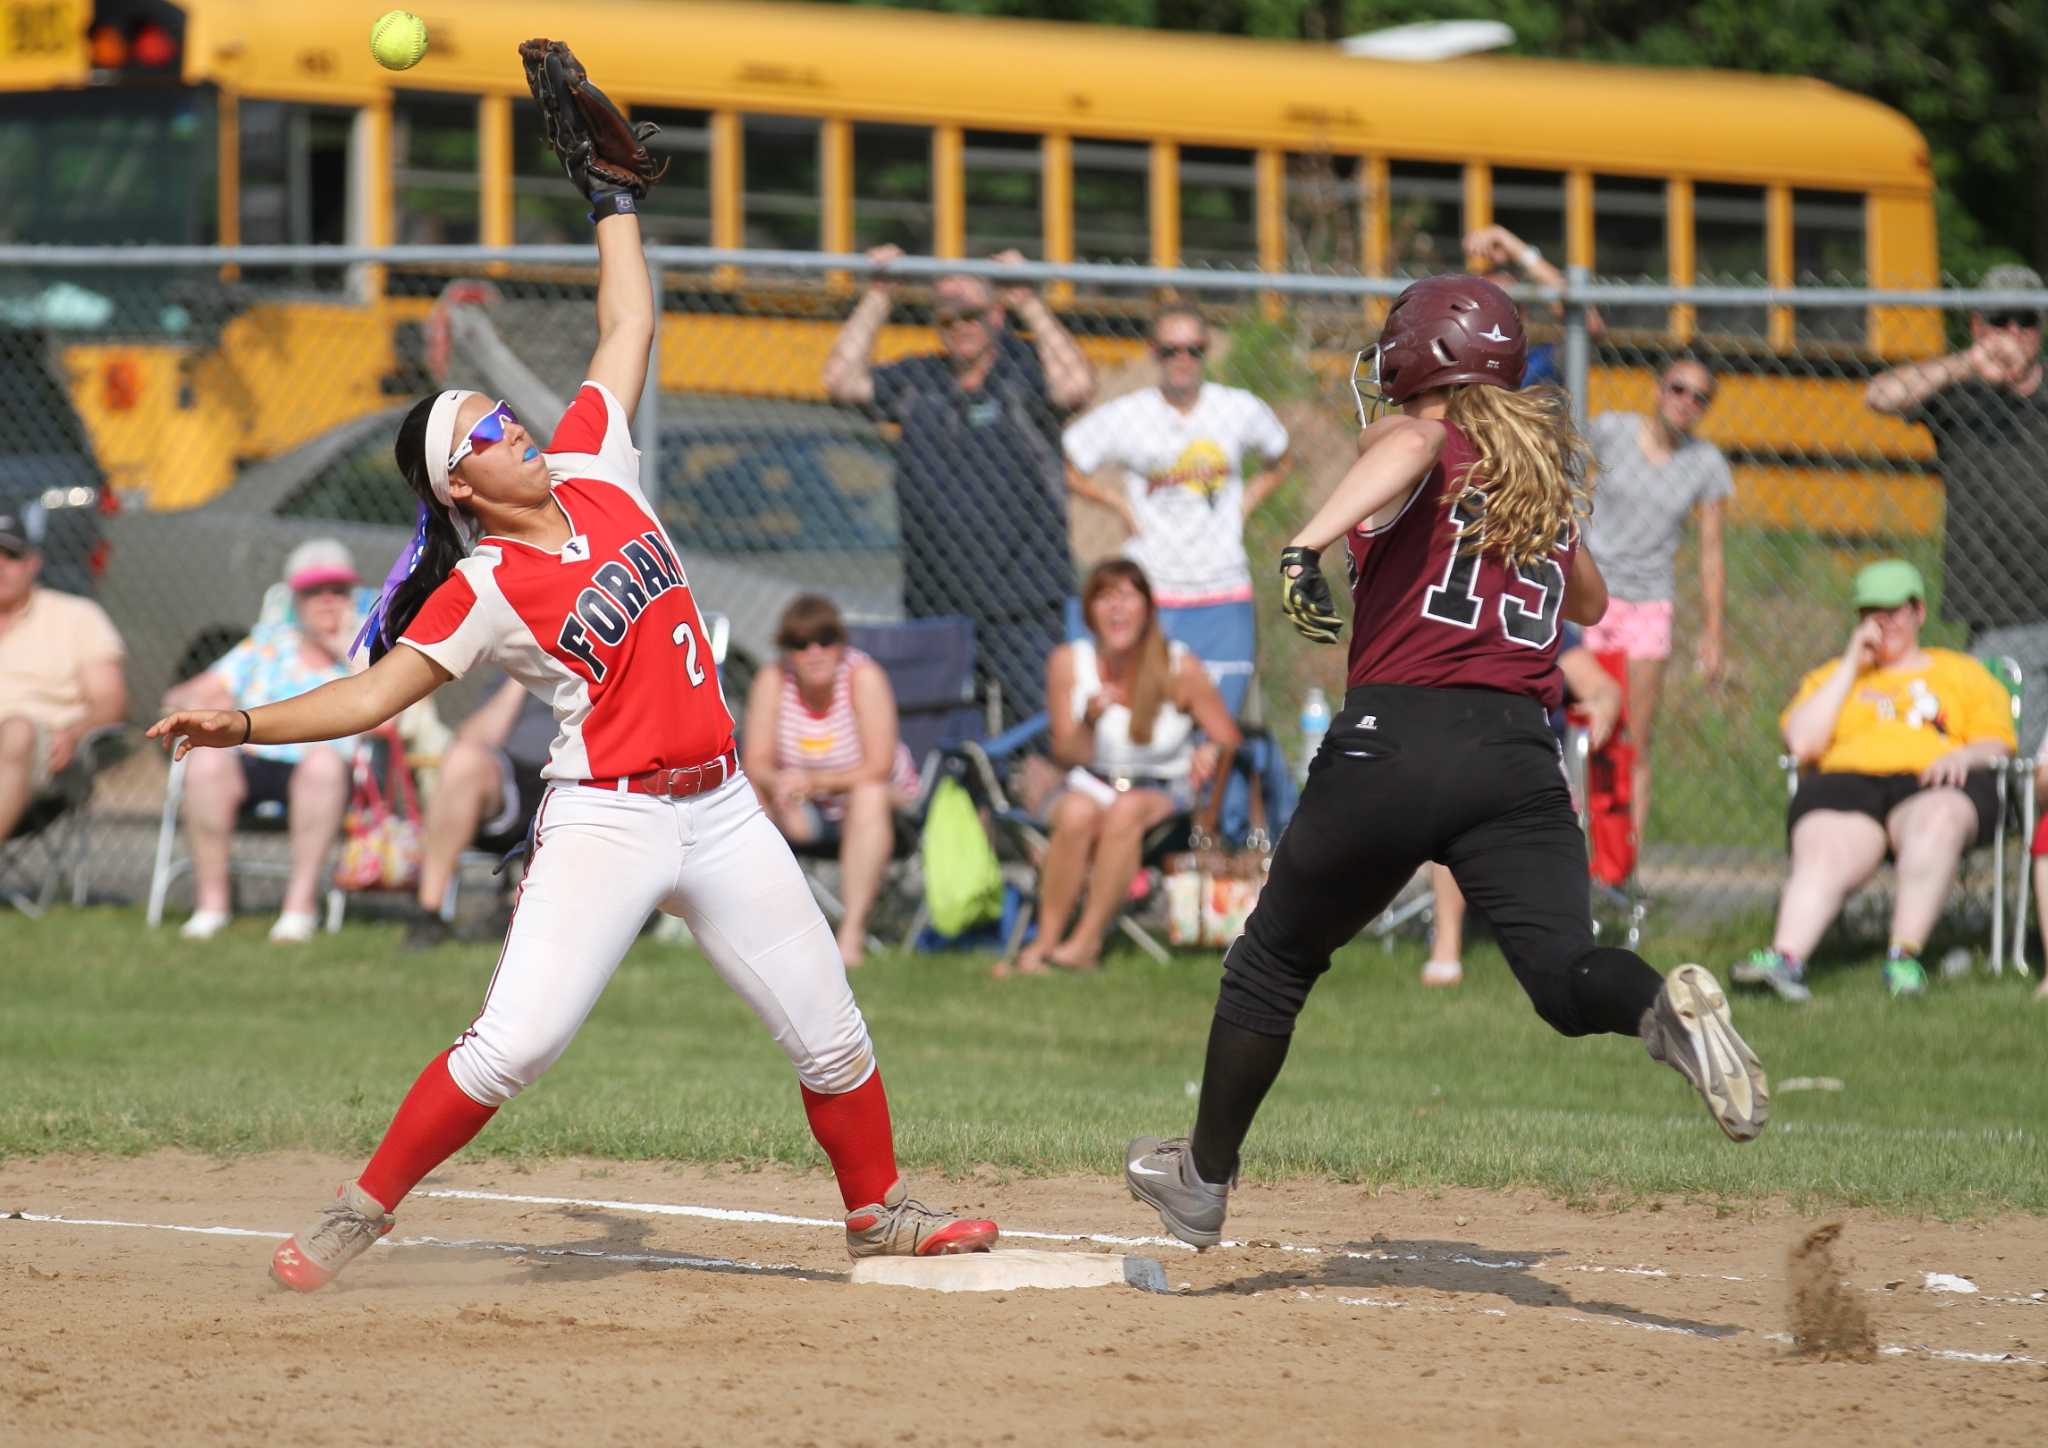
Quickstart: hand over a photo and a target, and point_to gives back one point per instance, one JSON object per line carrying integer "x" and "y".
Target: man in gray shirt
{"x": 1653, "y": 474}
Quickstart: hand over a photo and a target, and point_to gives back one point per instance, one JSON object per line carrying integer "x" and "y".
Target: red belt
{"x": 674, "y": 783}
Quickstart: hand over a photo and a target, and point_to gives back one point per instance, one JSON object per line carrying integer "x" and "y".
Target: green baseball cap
{"x": 1889, "y": 584}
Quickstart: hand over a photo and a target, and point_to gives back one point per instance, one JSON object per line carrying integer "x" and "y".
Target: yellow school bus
{"x": 835, "y": 128}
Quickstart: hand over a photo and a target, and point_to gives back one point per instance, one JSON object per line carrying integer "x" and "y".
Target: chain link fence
{"x": 181, "y": 419}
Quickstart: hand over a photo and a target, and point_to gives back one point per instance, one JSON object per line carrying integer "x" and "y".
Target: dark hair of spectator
{"x": 1155, "y": 667}
{"x": 811, "y": 618}
{"x": 443, "y": 549}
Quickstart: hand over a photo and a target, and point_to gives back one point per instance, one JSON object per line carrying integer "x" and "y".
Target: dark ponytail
{"x": 440, "y": 548}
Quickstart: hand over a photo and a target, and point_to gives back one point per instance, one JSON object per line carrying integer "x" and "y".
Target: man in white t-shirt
{"x": 1182, "y": 448}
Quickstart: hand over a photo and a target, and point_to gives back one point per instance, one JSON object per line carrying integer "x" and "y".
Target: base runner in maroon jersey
{"x": 1460, "y": 521}
{"x": 550, "y": 564}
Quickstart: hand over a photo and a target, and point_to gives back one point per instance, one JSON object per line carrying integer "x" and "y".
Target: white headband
{"x": 440, "y": 442}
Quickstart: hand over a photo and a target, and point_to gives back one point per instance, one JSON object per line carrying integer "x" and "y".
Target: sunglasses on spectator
{"x": 489, "y": 429}
{"x": 796, "y": 644}
{"x": 2013, "y": 319}
{"x": 947, "y": 316}
{"x": 1169, "y": 350}
{"x": 1704, "y": 396}
{"x": 327, "y": 590}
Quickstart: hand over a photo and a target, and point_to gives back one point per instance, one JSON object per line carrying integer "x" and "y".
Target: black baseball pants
{"x": 1466, "y": 777}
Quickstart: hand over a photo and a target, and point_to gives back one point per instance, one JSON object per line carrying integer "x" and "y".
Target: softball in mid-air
{"x": 398, "y": 39}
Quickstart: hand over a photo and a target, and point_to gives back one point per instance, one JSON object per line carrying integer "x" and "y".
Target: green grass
{"x": 117, "y": 1039}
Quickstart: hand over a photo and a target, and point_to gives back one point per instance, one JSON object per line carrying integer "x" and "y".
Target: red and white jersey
{"x": 603, "y": 629}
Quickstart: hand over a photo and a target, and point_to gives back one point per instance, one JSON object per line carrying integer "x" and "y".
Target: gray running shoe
{"x": 1767, "y": 967}
{"x": 348, "y": 1227}
{"x": 896, "y": 1226}
{"x": 1161, "y": 1174}
{"x": 1687, "y": 1028}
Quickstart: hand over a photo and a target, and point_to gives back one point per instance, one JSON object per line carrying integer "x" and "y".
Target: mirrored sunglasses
{"x": 489, "y": 429}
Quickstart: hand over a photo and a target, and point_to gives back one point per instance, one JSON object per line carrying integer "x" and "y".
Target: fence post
{"x": 1578, "y": 348}
{"x": 648, "y": 414}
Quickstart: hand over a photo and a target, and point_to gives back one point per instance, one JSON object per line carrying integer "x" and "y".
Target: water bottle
{"x": 1315, "y": 723}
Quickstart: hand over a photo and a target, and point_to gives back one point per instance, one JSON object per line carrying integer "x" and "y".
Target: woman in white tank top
{"x": 1123, "y": 709}
{"x": 824, "y": 754}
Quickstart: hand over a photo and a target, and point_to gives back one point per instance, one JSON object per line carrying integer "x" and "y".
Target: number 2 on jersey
{"x": 685, "y": 638}
{"x": 1455, "y": 598}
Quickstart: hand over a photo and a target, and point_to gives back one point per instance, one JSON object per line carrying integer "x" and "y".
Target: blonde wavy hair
{"x": 1533, "y": 465}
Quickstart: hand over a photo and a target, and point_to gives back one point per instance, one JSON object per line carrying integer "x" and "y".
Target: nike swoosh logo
{"x": 1147, "y": 1171}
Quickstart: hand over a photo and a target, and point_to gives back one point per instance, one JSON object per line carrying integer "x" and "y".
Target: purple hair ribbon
{"x": 408, "y": 559}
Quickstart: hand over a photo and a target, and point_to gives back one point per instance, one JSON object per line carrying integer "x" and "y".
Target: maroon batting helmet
{"x": 1446, "y": 330}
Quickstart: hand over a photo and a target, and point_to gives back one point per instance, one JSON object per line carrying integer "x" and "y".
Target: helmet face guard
{"x": 1367, "y": 390}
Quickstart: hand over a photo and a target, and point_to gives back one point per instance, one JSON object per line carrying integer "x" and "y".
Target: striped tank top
{"x": 830, "y": 742}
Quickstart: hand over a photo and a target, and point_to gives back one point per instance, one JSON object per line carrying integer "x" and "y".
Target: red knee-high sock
{"x": 436, "y": 1120}
{"x": 853, "y": 1127}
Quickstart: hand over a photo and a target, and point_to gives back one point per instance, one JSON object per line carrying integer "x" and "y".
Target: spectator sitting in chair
{"x": 1123, "y": 708}
{"x": 280, "y": 659}
{"x": 824, "y": 753}
{"x": 486, "y": 794}
{"x": 1899, "y": 742}
{"x": 60, "y": 670}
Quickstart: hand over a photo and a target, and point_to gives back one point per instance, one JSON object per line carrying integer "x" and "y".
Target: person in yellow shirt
{"x": 1898, "y": 742}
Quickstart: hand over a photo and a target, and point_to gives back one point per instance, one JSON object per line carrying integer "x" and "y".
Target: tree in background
{"x": 1973, "y": 77}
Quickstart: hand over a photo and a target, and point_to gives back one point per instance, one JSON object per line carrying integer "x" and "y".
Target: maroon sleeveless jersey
{"x": 1426, "y": 615}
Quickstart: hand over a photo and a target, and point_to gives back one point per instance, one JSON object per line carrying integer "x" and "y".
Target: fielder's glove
{"x": 604, "y": 154}
{"x": 1305, "y": 596}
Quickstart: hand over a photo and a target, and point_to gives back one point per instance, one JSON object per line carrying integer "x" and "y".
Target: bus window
{"x": 781, "y": 210}
{"x": 1531, "y": 205}
{"x": 1728, "y": 240}
{"x": 892, "y": 188}
{"x": 1827, "y": 251}
{"x": 1219, "y": 215}
{"x": 433, "y": 169}
{"x": 294, "y": 188}
{"x": 1112, "y": 216}
{"x": 546, "y": 211}
{"x": 677, "y": 211}
{"x": 107, "y": 166}
{"x": 1629, "y": 244}
{"x": 1323, "y": 213}
{"x": 1005, "y": 175}
{"x": 1425, "y": 211}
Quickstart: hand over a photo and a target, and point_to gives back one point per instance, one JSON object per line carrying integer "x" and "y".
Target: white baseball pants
{"x": 602, "y": 862}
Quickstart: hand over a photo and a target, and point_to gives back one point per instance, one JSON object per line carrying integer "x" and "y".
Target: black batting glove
{"x": 1305, "y": 596}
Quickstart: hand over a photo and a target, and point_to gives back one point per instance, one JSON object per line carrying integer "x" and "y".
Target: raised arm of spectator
{"x": 1713, "y": 588}
{"x": 1069, "y": 376}
{"x": 1073, "y": 738}
{"x": 625, "y": 311}
{"x": 1496, "y": 248}
{"x": 490, "y": 726}
{"x": 849, "y": 368}
{"x": 1995, "y": 357}
{"x": 1808, "y": 725}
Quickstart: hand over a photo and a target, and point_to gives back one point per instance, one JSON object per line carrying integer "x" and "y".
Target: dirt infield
{"x": 1348, "y": 1317}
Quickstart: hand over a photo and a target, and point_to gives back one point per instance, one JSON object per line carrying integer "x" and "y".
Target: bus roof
{"x": 914, "y": 68}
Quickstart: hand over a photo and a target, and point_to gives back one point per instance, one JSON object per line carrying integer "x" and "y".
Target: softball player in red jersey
{"x": 552, "y": 566}
{"x": 1460, "y": 519}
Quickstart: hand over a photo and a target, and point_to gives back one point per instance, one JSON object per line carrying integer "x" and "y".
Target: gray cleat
{"x": 1161, "y": 1174}
{"x": 1687, "y": 1028}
